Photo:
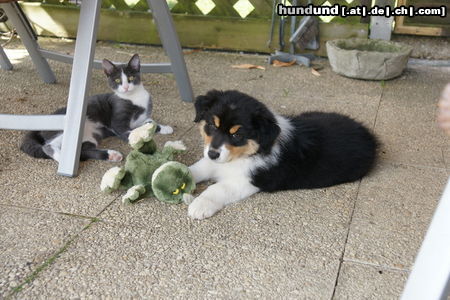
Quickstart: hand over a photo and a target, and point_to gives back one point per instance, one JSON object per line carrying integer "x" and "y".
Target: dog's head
{"x": 234, "y": 125}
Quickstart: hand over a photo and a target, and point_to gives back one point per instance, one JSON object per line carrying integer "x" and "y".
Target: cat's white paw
{"x": 165, "y": 129}
{"x": 114, "y": 156}
{"x": 202, "y": 208}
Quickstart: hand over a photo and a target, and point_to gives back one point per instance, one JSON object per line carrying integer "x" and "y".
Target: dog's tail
{"x": 32, "y": 145}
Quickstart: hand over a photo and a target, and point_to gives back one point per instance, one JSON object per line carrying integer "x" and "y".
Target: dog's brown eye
{"x": 236, "y": 136}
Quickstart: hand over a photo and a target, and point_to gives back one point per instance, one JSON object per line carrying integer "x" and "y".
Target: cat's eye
{"x": 117, "y": 80}
{"x": 176, "y": 192}
{"x": 183, "y": 186}
{"x": 131, "y": 78}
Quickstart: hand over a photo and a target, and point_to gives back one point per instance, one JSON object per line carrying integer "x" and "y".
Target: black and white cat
{"x": 112, "y": 114}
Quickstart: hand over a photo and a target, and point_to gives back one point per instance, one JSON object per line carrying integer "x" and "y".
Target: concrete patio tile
{"x": 328, "y": 87}
{"x": 314, "y": 221}
{"x": 34, "y": 183}
{"x": 274, "y": 81}
{"x": 418, "y": 86}
{"x": 360, "y": 108}
{"x": 28, "y": 238}
{"x": 283, "y": 245}
{"x": 409, "y": 134}
{"x": 23, "y": 92}
{"x": 213, "y": 70}
{"x": 358, "y": 281}
{"x": 406, "y": 121}
{"x": 319, "y": 218}
{"x": 446, "y": 157}
{"x": 118, "y": 261}
{"x": 393, "y": 211}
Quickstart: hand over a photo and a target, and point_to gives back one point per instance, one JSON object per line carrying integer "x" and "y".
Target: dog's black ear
{"x": 267, "y": 129}
{"x": 204, "y": 103}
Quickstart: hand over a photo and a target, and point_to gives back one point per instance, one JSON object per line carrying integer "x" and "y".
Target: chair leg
{"x": 171, "y": 44}
{"x": 5, "y": 64}
{"x": 430, "y": 275}
{"x": 79, "y": 87}
{"x": 15, "y": 16}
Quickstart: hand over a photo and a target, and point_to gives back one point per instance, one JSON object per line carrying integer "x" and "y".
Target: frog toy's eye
{"x": 183, "y": 186}
{"x": 176, "y": 192}
{"x": 117, "y": 80}
{"x": 131, "y": 78}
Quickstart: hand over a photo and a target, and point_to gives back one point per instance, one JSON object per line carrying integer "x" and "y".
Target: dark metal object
{"x": 306, "y": 36}
{"x": 3, "y": 16}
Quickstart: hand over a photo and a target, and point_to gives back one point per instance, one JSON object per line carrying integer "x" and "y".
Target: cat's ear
{"x": 108, "y": 67}
{"x": 135, "y": 63}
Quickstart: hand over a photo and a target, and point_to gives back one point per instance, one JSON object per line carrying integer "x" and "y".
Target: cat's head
{"x": 123, "y": 78}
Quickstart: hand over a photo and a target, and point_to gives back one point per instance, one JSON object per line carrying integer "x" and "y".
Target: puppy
{"x": 249, "y": 149}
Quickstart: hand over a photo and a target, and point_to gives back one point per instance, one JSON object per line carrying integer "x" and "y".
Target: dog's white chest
{"x": 238, "y": 170}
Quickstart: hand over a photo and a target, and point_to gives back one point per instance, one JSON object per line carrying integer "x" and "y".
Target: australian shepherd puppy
{"x": 248, "y": 149}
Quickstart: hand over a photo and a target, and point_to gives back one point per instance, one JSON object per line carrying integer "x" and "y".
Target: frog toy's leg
{"x": 147, "y": 147}
{"x": 171, "y": 148}
{"x": 134, "y": 193}
{"x": 113, "y": 180}
{"x": 141, "y": 138}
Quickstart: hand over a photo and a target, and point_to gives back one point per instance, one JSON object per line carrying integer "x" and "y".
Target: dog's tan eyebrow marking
{"x": 234, "y": 129}
{"x": 216, "y": 121}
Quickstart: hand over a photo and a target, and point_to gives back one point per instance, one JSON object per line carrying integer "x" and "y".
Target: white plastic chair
{"x": 83, "y": 60}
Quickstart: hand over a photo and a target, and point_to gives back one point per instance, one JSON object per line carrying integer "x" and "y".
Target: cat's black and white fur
{"x": 111, "y": 114}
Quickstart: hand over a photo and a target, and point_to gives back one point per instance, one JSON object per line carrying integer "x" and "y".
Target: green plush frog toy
{"x": 148, "y": 172}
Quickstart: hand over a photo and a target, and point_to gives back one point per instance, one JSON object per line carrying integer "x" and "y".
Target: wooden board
{"x": 226, "y": 33}
{"x": 431, "y": 20}
{"x": 430, "y": 26}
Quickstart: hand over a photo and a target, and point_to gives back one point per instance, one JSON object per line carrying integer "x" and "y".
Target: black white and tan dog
{"x": 248, "y": 148}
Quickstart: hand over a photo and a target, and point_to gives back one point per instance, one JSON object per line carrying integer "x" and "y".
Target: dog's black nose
{"x": 213, "y": 154}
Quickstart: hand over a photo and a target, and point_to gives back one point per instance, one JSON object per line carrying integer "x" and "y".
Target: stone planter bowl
{"x": 368, "y": 59}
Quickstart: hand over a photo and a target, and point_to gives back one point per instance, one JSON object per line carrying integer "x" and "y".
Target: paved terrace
{"x": 62, "y": 238}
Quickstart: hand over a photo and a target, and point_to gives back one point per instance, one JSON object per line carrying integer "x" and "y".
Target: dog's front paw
{"x": 202, "y": 208}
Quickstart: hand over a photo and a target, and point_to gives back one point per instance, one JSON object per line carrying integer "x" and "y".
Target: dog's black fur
{"x": 326, "y": 149}
{"x": 322, "y": 150}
